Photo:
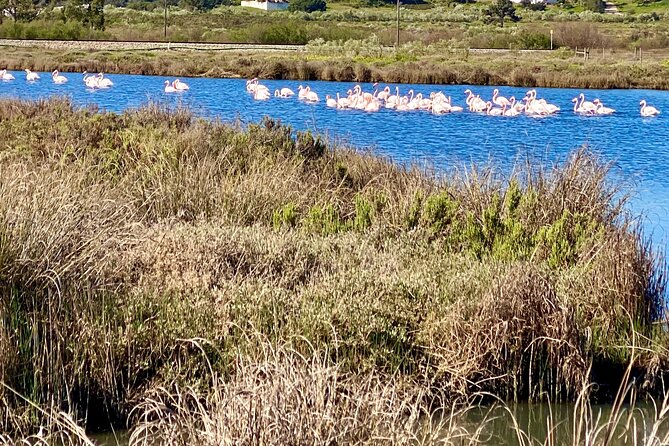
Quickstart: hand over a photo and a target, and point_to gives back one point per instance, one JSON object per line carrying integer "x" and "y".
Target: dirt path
{"x": 102, "y": 45}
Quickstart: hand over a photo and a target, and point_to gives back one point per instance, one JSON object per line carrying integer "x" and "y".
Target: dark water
{"x": 552, "y": 424}
{"x": 638, "y": 146}
{"x": 560, "y": 424}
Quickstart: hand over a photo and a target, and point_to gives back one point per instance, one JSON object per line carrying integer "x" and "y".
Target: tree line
{"x": 89, "y": 13}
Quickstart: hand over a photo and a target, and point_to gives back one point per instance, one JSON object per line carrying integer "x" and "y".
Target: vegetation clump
{"x": 153, "y": 262}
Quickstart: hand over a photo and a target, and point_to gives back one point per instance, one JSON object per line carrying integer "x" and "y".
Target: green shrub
{"x": 323, "y": 220}
{"x": 439, "y": 211}
{"x": 363, "y": 213}
{"x": 307, "y": 5}
{"x": 412, "y": 218}
{"x": 286, "y": 216}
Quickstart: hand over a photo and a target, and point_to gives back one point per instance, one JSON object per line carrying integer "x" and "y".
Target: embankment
{"x": 446, "y": 66}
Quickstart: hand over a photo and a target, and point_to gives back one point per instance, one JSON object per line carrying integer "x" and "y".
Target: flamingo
{"x": 579, "y": 109}
{"x": 490, "y": 111}
{"x": 103, "y": 82}
{"x": 601, "y": 109}
{"x": 393, "y": 100}
{"x": 474, "y": 102}
{"x": 539, "y": 106}
{"x": 591, "y": 107}
{"x": 91, "y": 81}
{"x": 169, "y": 88}
{"x": 311, "y": 96}
{"x": 31, "y": 76}
{"x": 5, "y": 76}
{"x": 383, "y": 94}
{"x": 261, "y": 94}
{"x": 510, "y": 112}
{"x": 372, "y": 106}
{"x": 440, "y": 106}
{"x": 343, "y": 102}
{"x": 284, "y": 93}
{"x": 648, "y": 110}
{"x": 180, "y": 86}
{"x": 499, "y": 100}
{"x": 58, "y": 78}
{"x": 369, "y": 96}
{"x": 517, "y": 106}
{"x": 453, "y": 108}
{"x": 330, "y": 101}
{"x": 251, "y": 85}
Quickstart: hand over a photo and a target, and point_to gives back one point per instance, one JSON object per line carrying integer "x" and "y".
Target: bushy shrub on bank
{"x": 154, "y": 250}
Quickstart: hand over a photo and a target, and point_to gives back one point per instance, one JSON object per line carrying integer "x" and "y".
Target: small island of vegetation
{"x": 205, "y": 283}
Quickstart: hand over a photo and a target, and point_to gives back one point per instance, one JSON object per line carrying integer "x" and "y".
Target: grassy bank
{"x": 364, "y": 61}
{"x": 156, "y": 261}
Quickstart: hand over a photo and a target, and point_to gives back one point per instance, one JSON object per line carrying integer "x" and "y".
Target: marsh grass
{"x": 362, "y": 60}
{"x": 124, "y": 236}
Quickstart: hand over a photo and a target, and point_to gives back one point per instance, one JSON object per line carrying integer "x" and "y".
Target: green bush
{"x": 528, "y": 40}
{"x": 307, "y": 5}
{"x": 286, "y": 216}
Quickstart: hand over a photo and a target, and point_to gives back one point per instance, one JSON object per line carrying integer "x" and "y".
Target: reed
{"x": 123, "y": 237}
{"x": 366, "y": 61}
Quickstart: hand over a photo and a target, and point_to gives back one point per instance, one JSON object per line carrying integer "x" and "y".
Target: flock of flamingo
{"x": 91, "y": 81}
{"x": 438, "y": 103}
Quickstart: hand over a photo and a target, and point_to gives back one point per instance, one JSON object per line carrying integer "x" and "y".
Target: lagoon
{"x": 638, "y": 146}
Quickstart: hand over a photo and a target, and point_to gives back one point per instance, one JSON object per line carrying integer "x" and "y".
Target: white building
{"x": 272, "y": 5}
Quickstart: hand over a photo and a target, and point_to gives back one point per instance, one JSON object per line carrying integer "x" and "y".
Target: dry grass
{"x": 439, "y": 65}
{"x": 122, "y": 236}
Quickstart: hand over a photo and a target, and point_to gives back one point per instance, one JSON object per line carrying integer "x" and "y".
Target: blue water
{"x": 637, "y": 145}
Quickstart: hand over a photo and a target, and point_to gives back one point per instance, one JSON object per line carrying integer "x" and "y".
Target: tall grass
{"x": 125, "y": 237}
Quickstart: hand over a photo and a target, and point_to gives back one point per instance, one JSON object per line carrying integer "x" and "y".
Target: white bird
{"x": 261, "y": 94}
{"x": 330, "y": 101}
{"x": 5, "y": 76}
{"x": 648, "y": 110}
{"x": 601, "y": 109}
{"x": 578, "y": 109}
{"x": 302, "y": 92}
{"x": 311, "y": 96}
{"x": 501, "y": 101}
{"x": 493, "y": 111}
{"x": 91, "y": 81}
{"x": 590, "y": 107}
{"x": 31, "y": 76}
{"x": 180, "y": 86}
{"x": 169, "y": 88}
{"x": 103, "y": 82}
{"x": 58, "y": 78}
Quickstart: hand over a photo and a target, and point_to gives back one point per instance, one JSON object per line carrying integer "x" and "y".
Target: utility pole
{"x": 165, "y": 19}
{"x": 398, "y": 24}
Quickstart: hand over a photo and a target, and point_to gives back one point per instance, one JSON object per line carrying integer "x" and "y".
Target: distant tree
{"x": 500, "y": 10}
{"x": 75, "y": 11}
{"x": 18, "y": 10}
{"x": 206, "y": 5}
{"x": 307, "y": 5}
{"x": 95, "y": 15}
{"x": 594, "y": 5}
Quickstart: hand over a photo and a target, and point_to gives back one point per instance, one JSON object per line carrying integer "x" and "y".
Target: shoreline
{"x": 557, "y": 69}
